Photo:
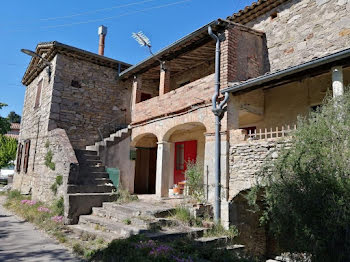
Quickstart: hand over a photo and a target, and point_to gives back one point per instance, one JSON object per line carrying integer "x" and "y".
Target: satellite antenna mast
{"x": 143, "y": 40}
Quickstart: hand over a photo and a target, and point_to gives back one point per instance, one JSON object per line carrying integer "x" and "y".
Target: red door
{"x": 184, "y": 152}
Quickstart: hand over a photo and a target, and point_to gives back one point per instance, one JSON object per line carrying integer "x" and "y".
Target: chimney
{"x": 102, "y": 32}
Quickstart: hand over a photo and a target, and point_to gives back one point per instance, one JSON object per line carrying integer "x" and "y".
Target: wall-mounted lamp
{"x": 45, "y": 61}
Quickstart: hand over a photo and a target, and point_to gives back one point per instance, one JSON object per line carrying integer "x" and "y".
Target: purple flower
{"x": 28, "y": 202}
{"x": 161, "y": 250}
{"x": 57, "y": 219}
{"x": 145, "y": 244}
{"x": 44, "y": 209}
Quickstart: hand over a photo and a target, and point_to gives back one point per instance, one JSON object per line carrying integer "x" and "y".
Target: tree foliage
{"x": 13, "y": 117}
{"x": 308, "y": 187}
{"x": 4, "y": 123}
{"x": 8, "y": 147}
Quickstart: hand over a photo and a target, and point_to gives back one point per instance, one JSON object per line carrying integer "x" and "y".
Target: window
{"x": 26, "y": 155}
{"x": 38, "y": 94}
{"x": 19, "y": 157}
{"x": 180, "y": 156}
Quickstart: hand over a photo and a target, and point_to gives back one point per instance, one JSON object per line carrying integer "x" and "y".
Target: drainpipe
{"x": 219, "y": 111}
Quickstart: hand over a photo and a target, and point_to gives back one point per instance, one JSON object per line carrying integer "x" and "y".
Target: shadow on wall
{"x": 252, "y": 233}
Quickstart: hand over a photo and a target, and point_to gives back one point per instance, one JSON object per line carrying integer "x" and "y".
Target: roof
{"x": 50, "y": 49}
{"x": 255, "y": 10}
{"x": 311, "y": 68}
{"x": 189, "y": 42}
{"x": 15, "y": 125}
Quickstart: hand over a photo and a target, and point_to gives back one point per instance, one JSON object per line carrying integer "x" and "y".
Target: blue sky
{"x": 23, "y": 24}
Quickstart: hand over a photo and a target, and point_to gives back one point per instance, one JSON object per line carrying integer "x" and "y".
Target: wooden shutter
{"x": 26, "y": 155}
{"x": 38, "y": 94}
{"x": 19, "y": 158}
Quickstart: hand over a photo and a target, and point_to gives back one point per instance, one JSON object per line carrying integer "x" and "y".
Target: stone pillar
{"x": 337, "y": 81}
{"x": 136, "y": 93}
{"x": 164, "y": 82}
{"x": 163, "y": 170}
{"x": 233, "y": 107}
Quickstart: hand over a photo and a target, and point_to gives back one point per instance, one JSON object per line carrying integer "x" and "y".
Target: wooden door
{"x": 184, "y": 152}
{"x": 145, "y": 171}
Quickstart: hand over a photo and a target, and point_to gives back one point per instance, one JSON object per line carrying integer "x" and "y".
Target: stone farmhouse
{"x": 279, "y": 59}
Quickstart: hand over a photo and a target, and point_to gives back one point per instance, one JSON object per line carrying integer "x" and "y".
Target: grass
{"x": 127, "y": 221}
{"x": 139, "y": 248}
{"x": 124, "y": 196}
{"x": 183, "y": 214}
{"x": 218, "y": 231}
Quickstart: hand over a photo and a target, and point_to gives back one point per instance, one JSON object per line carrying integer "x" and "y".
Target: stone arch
{"x": 144, "y": 140}
{"x": 183, "y": 127}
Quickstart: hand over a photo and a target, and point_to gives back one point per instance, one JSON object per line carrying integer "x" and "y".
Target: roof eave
{"x": 264, "y": 80}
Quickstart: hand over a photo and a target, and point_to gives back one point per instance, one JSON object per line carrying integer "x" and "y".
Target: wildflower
{"x": 28, "y": 202}
{"x": 57, "y": 219}
{"x": 161, "y": 250}
{"x": 44, "y": 209}
{"x": 145, "y": 244}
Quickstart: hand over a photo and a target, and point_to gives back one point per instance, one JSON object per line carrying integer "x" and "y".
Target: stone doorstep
{"x": 80, "y": 230}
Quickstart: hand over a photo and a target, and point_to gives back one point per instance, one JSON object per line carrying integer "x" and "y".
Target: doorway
{"x": 185, "y": 152}
{"x": 145, "y": 171}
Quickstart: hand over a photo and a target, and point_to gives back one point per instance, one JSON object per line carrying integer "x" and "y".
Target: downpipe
{"x": 219, "y": 110}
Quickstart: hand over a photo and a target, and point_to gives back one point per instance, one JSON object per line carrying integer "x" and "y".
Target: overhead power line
{"x": 96, "y": 11}
{"x": 108, "y": 18}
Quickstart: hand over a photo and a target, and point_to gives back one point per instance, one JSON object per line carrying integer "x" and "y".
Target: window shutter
{"x": 26, "y": 155}
{"x": 19, "y": 157}
{"x": 38, "y": 94}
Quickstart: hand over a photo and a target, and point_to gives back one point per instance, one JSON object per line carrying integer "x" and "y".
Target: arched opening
{"x": 187, "y": 145}
{"x": 146, "y": 164}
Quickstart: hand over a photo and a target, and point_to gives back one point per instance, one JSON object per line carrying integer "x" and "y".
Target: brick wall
{"x": 98, "y": 99}
{"x": 175, "y": 100}
{"x": 243, "y": 55}
{"x": 305, "y": 29}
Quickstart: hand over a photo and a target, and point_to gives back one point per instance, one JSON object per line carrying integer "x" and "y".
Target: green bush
{"x": 48, "y": 160}
{"x": 59, "y": 180}
{"x": 58, "y": 207}
{"x": 8, "y": 148}
{"x": 307, "y": 192}
{"x": 194, "y": 181}
{"x": 14, "y": 194}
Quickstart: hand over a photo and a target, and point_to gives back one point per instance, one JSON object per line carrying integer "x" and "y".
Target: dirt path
{"x": 20, "y": 241}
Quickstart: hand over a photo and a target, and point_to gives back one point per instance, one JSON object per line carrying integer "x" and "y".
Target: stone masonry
{"x": 303, "y": 30}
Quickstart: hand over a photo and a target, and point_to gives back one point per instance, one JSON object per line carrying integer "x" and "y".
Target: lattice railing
{"x": 268, "y": 133}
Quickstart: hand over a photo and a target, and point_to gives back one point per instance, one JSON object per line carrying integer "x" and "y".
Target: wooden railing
{"x": 278, "y": 132}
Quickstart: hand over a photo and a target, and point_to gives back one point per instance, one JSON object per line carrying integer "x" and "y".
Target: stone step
{"x": 72, "y": 189}
{"x": 86, "y": 152}
{"x": 91, "y": 169}
{"x": 213, "y": 240}
{"x": 168, "y": 234}
{"x": 120, "y": 216}
{"x": 90, "y": 162}
{"x": 119, "y": 228}
{"x": 82, "y": 203}
{"x": 80, "y": 230}
{"x": 93, "y": 174}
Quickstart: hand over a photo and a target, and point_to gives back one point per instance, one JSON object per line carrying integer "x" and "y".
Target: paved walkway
{"x": 19, "y": 241}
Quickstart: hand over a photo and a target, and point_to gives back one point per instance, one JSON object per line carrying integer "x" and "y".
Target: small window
{"x": 274, "y": 15}
{"x": 38, "y": 94}
{"x": 145, "y": 96}
{"x": 26, "y": 155}
{"x": 180, "y": 156}
{"x": 75, "y": 83}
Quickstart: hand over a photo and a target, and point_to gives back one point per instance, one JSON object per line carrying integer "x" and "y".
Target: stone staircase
{"x": 113, "y": 221}
{"x": 91, "y": 187}
{"x": 111, "y": 140}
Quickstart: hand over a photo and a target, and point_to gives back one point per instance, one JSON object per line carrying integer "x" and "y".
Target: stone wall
{"x": 247, "y": 159}
{"x": 303, "y": 30}
{"x": 95, "y": 99}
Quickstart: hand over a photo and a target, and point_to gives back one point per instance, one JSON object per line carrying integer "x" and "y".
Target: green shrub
{"x": 307, "y": 193}
{"x": 8, "y": 148}
{"x": 59, "y": 180}
{"x": 58, "y": 207}
{"x": 218, "y": 231}
{"x": 124, "y": 196}
{"x": 14, "y": 194}
{"x": 194, "y": 181}
{"x": 48, "y": 160}
{"x": 54, "y": 188}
